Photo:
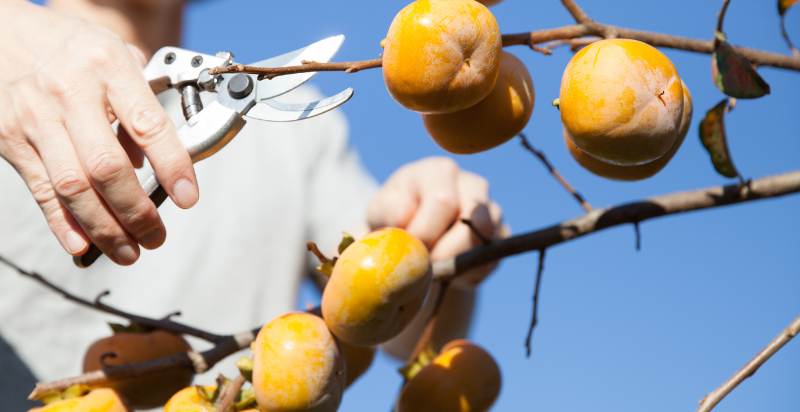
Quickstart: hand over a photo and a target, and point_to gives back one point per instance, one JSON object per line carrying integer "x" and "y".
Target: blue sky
{"x": 619, "y": 330}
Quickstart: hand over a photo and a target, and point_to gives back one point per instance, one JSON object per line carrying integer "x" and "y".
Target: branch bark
{"x": 629, "y": 213}
{"x": 597, "y": 220}
{"x": 712, "y": 399}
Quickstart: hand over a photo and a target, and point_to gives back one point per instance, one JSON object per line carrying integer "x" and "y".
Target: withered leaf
{"x": 734, "y": 75}
{"x": 712, "y": 135}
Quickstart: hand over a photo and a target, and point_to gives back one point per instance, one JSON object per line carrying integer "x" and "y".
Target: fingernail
{"x": 74, "y": 242}
{"x": 127, "y": 254}
{"x": 185, "y": 193}
{"x": 153, "y": 239}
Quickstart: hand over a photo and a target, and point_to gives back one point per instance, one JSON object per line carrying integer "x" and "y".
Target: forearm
{"x": 147, "y": 24}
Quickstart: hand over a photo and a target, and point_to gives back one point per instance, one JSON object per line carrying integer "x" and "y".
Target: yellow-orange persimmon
{"x": 441, "y": 56}
{"x": 297, "y": 365}
{"x": 377, "y": 286}
{"x": 463, "y": 378}
{"x": 142, "y": 392}
{"x": 190, "y": 400}
{"x": 98, "y": 400}
{"x": 495, "y": 119}
{"x": 621, "y": 101}
{"x": 637, "y": 172}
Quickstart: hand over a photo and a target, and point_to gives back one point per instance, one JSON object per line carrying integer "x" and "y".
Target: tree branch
{"x": 97, "y": 304}
{"x": 757, "y": 57}
{"x": 712, "y": 399}
{"x": 599, "y": 219}
{"x": 586, "y": 27}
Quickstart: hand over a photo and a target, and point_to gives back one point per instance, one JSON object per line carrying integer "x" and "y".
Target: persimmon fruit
{"x": 297, "y": 365}
{"x": 494, "y": 120}
{"x": 621, "y": 101}
{"x": 143, "y": 392}
{"x": 462, "y": 378}
{"x": 441, "y": 56}
{"x": 637, "y": 172}
{"x": 377, "y": 287}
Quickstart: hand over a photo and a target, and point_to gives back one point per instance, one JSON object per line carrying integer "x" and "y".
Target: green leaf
{"x": 734, "y": 75}
{"x": 712, "y": 135}
{"x": 784, "y": 5}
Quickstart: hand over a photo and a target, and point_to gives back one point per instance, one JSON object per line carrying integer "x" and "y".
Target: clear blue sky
{"x": 620, "y": 330}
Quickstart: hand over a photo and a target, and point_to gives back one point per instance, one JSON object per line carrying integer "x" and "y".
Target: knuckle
{"x": 56, "y": 87}
{"x": 105, "y": 167}
{"x": 445, "y": 165}
{"x": 446, "y": 201}
{"x": 149, "y": 123}
{"x": 105, "y": 233}
{"x": 42, "y": 192}
{"x": 104, "y": 50}
{"x": 142, "y": 217}
{"x": 70, "y": 183}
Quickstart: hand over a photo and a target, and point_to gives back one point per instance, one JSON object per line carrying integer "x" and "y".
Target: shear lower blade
{"x": 274, "y": 111}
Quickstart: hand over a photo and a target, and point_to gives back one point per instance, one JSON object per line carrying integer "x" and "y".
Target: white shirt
{"x": 231, "y": 263}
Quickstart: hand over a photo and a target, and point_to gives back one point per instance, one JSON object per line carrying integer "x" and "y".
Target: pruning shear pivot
{"x": 239, "y": 96}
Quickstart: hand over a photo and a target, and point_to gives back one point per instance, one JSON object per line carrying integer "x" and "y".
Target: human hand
{"x": 429, "y": 198}
{"x": 55, "y": 130}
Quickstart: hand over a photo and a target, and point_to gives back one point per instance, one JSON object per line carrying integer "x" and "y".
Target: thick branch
{"x": 597, "y": 220}
{"x": 532, "y": 39}
{"x": 758, "y": 57}
{"x": 629, "y": 213}
{"x": 712, "y": 399}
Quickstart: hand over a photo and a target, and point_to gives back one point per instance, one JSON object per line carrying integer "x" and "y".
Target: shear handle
{"x": 206, "y": 133}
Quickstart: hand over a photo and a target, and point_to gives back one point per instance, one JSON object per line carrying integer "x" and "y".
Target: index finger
{"x": 148, "y": 125}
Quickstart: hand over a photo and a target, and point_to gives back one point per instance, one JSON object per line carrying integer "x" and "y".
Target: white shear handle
{"x": 204, "y": 134}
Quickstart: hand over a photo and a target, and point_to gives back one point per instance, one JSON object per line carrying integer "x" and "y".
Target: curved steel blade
{"x": 275, "y": 111}
{"x": 321, "y": 51}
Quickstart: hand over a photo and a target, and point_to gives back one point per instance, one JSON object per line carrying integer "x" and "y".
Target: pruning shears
{"x": 239, "y": 96}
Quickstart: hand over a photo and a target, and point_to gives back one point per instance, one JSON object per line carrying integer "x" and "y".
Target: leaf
{"x": 347, "y": 240}
{"x": 712, "y": 135}
{"x": 245, "y": 366}
{"x": 784, "y": 5}
{"x": 733, "y": 74}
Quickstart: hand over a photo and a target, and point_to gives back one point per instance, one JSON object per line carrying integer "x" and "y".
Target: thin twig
{"x": 228, "y": 394}
{"x": 576, "y": 11}
{"x": 474, "y": 229}
{"x": 637, "y": 231}
{"x": 721, "y": 15}
{"x": 550, "y": 168}
{"x": 305, "y": 67}
{"x": 535, "y": 305}
{"x": 97, "y": 304}
{"x": 712, "y": 399}
{"x": 785, "y": 34}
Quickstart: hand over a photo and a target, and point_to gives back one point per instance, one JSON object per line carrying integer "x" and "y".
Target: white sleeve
{"x": 339, "y": 187}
